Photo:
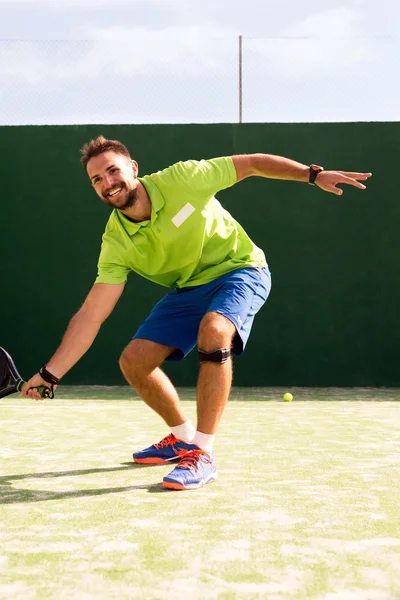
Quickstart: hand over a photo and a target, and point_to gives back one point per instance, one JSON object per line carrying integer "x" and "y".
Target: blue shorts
{"x": 175, "y": 320}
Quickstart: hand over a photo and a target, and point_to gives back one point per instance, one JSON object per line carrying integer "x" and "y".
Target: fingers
{"x": 30, "y": 392}
{"x": 351, "y": 181}
{"x": 336, "y": 190}
{"x": 332, "y": 189}
{"x": 328, "y": 180}
{"x": 347, "y": 180}
{"x": 360, "y": 176}
{"x": 29, "y": 389}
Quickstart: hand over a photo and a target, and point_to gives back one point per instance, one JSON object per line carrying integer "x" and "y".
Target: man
{"x": 169, "y": 228}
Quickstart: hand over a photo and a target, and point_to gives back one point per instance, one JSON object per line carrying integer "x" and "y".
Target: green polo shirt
{"x": 190, "y": 238}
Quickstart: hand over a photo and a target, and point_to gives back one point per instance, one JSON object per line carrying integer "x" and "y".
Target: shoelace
{"x": 189, "y": 460}
{"x": 167, "y": 441}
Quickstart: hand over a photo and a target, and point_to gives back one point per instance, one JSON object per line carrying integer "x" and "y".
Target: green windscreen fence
{"x": 332, "y": 316}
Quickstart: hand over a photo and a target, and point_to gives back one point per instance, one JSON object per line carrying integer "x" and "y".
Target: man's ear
{"x": 135, "y": 168}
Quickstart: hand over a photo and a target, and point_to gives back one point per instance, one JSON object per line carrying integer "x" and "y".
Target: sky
{"x": 177, "y": 61}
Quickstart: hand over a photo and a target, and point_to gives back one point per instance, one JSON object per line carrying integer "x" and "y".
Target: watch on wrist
{"x": 314, "y": 171}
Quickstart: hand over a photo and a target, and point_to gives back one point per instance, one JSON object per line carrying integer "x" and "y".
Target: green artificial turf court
{"x": 306, "y": 506}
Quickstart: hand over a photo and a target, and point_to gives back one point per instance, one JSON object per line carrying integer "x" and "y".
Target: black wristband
{"x": 48, "y": 377}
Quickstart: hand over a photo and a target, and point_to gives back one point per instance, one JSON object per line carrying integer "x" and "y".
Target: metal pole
{"x": 240, "y": 79}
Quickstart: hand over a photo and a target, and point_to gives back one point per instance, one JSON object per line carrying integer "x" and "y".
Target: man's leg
{"x": 139, "y": 363}
{"x": 197, "y": 467}
{"x": 215, "y": 378}
{"x": 241, "y": 296}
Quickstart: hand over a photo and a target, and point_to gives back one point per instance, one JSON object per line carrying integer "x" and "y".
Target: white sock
{"x": 204, "y": 441}
{"x": 184, "y": 432}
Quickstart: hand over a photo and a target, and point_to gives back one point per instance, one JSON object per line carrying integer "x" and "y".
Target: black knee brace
{"x": 220, "y": 355}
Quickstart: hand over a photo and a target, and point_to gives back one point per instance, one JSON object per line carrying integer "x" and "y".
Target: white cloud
{"x": 335, "y": 22}
{"x": 183, "y": 51}
{"x": 162, "y": 76}
{"x": 192, "y": 34}
{"x": 325, "y": 43}
{"x": 122, "y": 52}
{"x": 22, "y": 62}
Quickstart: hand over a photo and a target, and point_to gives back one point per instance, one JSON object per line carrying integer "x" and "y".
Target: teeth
{"x": 115, "y": 191}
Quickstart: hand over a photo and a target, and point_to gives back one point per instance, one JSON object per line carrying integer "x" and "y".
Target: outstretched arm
{"x": 80, "y": 334}
{"x": 279, "y": 167}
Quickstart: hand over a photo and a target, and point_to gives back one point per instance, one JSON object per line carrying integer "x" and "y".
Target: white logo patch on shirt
{"x": 183, "y": 214}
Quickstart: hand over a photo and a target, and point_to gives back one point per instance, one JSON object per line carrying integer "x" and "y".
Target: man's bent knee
{"x": 216, "y": 331}
{"x": 141, "y": 357}
{"x": 129, "y": 361}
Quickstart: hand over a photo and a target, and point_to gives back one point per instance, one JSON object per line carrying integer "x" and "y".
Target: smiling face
{"x": 114, "y": 178}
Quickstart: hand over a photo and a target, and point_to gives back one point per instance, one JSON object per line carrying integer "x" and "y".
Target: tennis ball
{"x": 288, "y": 397}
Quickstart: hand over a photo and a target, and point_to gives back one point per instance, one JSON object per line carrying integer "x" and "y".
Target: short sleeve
{"x": 109, "y": 269}
{"x": 204, "y": 177}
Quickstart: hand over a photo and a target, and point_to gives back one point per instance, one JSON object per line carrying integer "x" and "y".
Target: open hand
{"x": 328, "y": 180}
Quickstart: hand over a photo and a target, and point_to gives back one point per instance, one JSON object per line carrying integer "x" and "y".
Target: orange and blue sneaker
{"x": 170, "y": 449}
{"x": 195, "y": 469}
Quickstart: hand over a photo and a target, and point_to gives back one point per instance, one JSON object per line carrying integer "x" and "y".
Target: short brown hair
{"x": 100, "y": 145}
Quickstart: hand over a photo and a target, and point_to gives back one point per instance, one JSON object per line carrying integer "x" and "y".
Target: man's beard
{"x": 130, "y": 200}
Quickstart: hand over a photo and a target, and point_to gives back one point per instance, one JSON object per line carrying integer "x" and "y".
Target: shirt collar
{"x": 157, "y": 202}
